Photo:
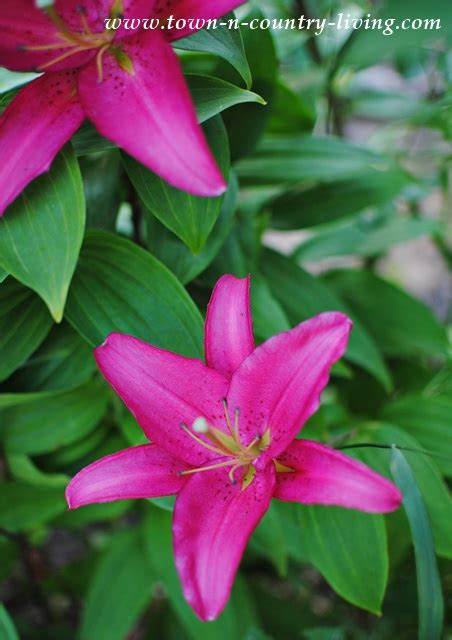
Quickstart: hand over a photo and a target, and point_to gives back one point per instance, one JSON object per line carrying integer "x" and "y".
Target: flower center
{"x": 228, "y": 445}
{"x": 72, "y": 43}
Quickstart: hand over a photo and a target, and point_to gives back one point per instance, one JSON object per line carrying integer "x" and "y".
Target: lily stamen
{"x": 99, "y": 60}
{"x": 64, "y": 56}
{"x": 50, "y": 47}
{"x": 228, "y": 420}
{"x": 210, "y": 467}
{"x": 85, "y": 25}
{"x": 236, "y": 423}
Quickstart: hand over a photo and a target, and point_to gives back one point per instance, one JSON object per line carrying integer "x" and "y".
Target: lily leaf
{"x": 176, "y": 255}
{"x": 49, "y": 423}
{"x": 22, "y": 468}
{"x": 7, "y": 629}
{"x": 430, "y": 597}
{"x": 428, "y": 420}
{"x": 191, "y": 218}
{"x": 119, "y": 591}
{"x": 24, "y": 323}
{"x": 402, "y": 325}
{"x": 41, "y": 235}
{"x": 212, "y": 95}
{"x": 63, "y": 361}
{"x": 349, "y": 549}
{"x": 223, "y": 42}
{"x": 428, "y": 478}
{"x": 120, "y": 287}
{"x": 24, "y": 507}
{"x": 301, "y": 296}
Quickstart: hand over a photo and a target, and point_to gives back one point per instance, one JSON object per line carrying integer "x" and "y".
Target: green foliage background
{"x": 337, "y": 149}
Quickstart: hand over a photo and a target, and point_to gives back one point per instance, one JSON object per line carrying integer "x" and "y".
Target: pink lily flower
{"x": 223, "y": 437}
{"x": 127, "y": 82}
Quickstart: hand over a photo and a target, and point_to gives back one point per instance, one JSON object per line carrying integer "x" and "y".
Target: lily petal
{"x": 39, "y": 121}
{"x": 23, "y": 25}
{"x": 229, "y": 331}
{"x": 145, "y": 107}
{"x": 213, "y": 520}
{"x": 325, "y": 476}
{"x": 163, "y": 390}
{"x": 279, "y": 385}
{"x": 147, "y": 471}
{"x": 195, "y": 10}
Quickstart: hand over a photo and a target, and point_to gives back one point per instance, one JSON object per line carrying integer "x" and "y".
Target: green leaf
{"x": 430, "y": 597}
{"x": 324, "y": 202}
{"x": 324, "y": 633}
{"x": 24, "y": 470}
{"x": 269, "y": 317}
{"x": 94, "y": 513}
{"x": 63, "y": 361}
{"x": 119, "y": 591}
{"x": 270, "y": 541}
{"x": 13, "y": 79}
{"x": 297, "y": 159}
{"x": 428, "y": 478}
{"x": 224, "y": 42}
{"x": 85, "y": 450}
{"x": 387, "y": 105}
{"x": 400, "y": 326}
{"x": 3, "y": 275}
{"x": 7, "y": 629}
{"x": 24, "y": 507}
{"x": 14, "y": 399}
{"x": 87, "y": 141}
{"x": 303, "y": 296}
{"x": 290, "y": 114}
{"x": 212, "y": 95}
{"x": 131, "y": 430}
{"x": 190, "y": 217}
{"x": 53, "y": 422}
{"x": 102, "y": 181}
{"x": 120, "y": 287}
{"x": 41, "y": 235}
{"x": 364, "y": 236}
{"x": 24, "y": 323}
{"x": 176, "y": 255}
{"x": 8, "y": 558}
{"x": 429, "y": 420}
{"x": 165, "y": 502}
{"x": 246, "y": 123}
{"x": 349, "y": 549}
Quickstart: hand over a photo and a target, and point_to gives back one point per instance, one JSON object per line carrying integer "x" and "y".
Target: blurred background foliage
{"x": 339, "y": 198}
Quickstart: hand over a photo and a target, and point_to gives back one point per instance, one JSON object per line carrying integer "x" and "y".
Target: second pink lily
{"x": 128, "y": 83}
{"x": 223, "y": 437}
